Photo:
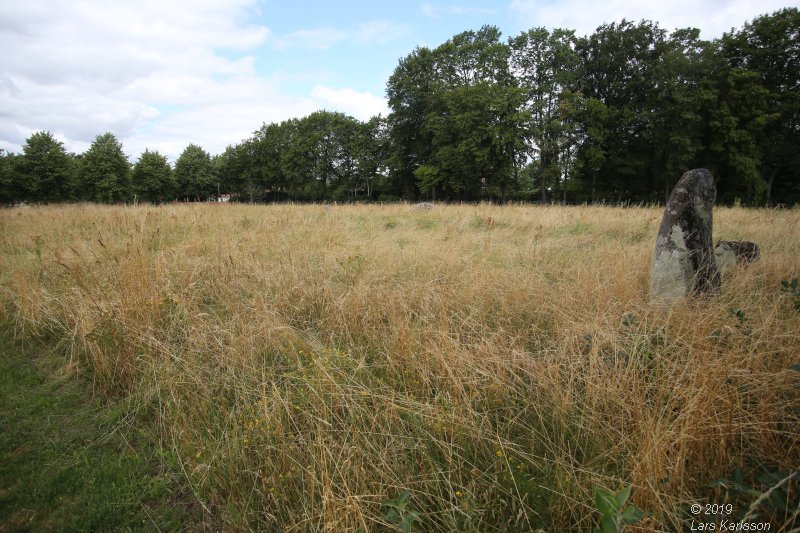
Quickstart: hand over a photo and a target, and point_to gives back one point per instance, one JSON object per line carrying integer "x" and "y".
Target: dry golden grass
{"x": 306, "y": 363}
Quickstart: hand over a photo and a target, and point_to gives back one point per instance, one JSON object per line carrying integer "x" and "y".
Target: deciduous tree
{"x": 769, "y": 47}
{"x": 194, "y": 174}
{"x": 153, "y": 180}
{"x": 44, "y": 170}
{"x": 9, "y": 189}
{"x": 545, "y": 66}
{"x": 105, "y": 171}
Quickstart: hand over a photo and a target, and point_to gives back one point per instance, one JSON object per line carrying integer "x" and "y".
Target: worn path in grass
{"x": 70, "y": 462}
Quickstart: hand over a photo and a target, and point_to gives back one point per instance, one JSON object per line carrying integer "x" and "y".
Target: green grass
{"x": 71, "y": 462}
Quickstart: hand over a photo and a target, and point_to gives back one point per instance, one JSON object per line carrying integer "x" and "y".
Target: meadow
{"x": 304, "y": 365}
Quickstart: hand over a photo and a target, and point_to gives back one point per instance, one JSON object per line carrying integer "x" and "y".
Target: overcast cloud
{"x": 157, "y": 74}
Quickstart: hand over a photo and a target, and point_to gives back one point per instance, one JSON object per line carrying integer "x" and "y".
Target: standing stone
{"x": 683, "y": 261}
{"x": 729, "y": 253}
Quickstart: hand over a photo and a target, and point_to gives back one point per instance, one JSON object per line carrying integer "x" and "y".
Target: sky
{"x": 160, "y": 74}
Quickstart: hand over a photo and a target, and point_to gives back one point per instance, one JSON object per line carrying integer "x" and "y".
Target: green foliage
{"x": 327, "y": 164}
{"x": 399, "y": 514}
{"x": 72, "y": 463}
{"x": 742, "y": 324}
{"x": 259, "y": 166}
{"x": 194, "y": 174}
{"x": 44, "y": 170}
{"x": 618, "y": 73}
{"x": 231, "y": 166}
{"x": 739, "y": 119}
{"x": 738, "y": 313}
{"x": 427, "y": 177}
{"x": 371, "y": 146}
{"x": 677, "y": 120}
{"x": 9, "y": 190}
{"x": 322, "y": 156}
{"x": 105, "y": 171}
{"x": 152, "y": 178}
{"x": 766, "y": 47}
{"x": 794, "y": 290}
{"x": 617, "y": 115}
{"x": 457, "y": 118}
{"x": 764, "y": 493}
{"x": 410, "y": 90}
{"x": 545, "y": 65}
{"x": 614, "y": 513}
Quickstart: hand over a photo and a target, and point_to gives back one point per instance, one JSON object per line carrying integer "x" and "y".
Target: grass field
{"x": 71, "y": 462}
{"x": 304, "y": 364}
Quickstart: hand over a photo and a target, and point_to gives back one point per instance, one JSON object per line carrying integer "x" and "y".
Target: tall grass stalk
{"x": 305, "y": 364}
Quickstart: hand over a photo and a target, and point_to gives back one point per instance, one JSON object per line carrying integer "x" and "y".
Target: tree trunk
{"x": 749, "y": 193}
{"x": 769, "y": 185}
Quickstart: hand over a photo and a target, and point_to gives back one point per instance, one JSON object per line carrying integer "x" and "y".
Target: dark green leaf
{"x": 605, "y": 502}
{"x": 392, "y": 516}
{"x": 631, "y": 515}
{"x": 771, "y": 478}
{"x": 778, "y": 499}
{"x": 622, "y": 496}
{"x": 408, "y": 519}
{"x": 608, "y": 525}
{"x": 403, "y": 500}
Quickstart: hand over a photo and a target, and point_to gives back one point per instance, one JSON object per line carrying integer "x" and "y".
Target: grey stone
{"x": 423, "y": 206}
{"x": 729, "y": 253}
{"x": 683, "y": 260}
{"x": 724, "y": 256}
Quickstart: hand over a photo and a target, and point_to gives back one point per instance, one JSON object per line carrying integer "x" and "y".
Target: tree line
{"x": 546, "y": 115}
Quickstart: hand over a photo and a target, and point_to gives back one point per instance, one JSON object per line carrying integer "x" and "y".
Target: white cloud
{"x": 157, "y": 74}
{"x": 712, "y": 17}
{"x": 313, "y": 39}
{"x": 82, "y": 68}
{"x": 430, "y": 11}
{"x": 379, "y": 31}
{"x": 359, "y": 105}
{"x": 437, "y": 12}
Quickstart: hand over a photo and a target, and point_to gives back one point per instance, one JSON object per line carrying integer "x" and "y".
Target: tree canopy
{"x": 105, "y": 171}
{"x": 45, "y": 169}
{"x": 616, "y": 115}
{"x": 152, "y": 178}
{"x": 194, "y": 174}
